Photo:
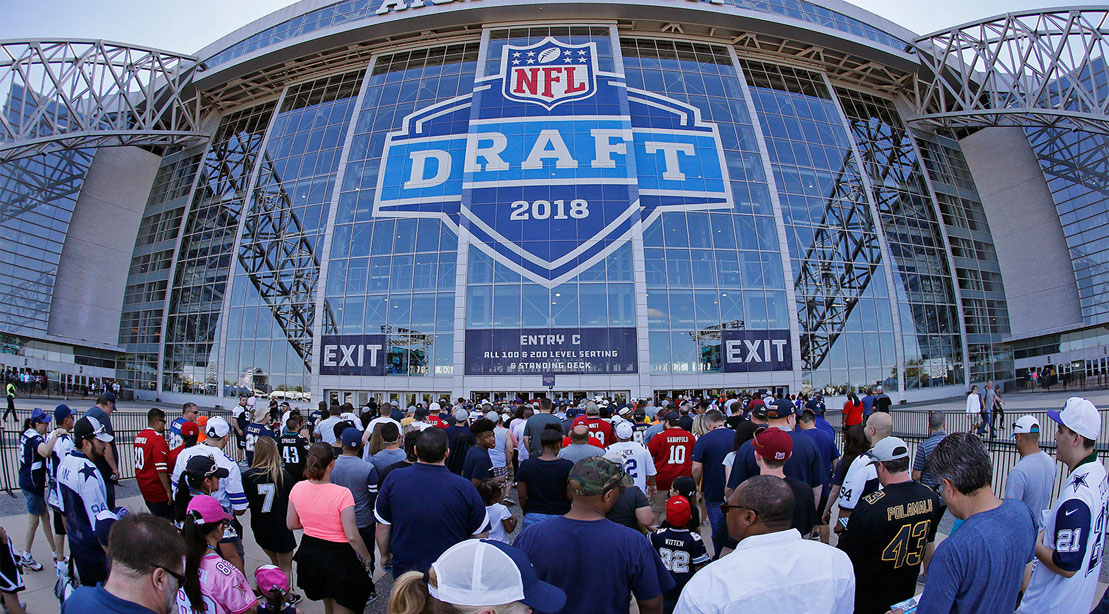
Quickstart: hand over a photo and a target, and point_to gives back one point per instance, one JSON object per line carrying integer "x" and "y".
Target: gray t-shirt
{"x": 578, "y": 451}
{"x": 989, "y": 398}
{"x": 1030, "y": 480}
{"x": 535, "y": 427}
{"x": 384, "y": 458}
{"x": 360, "y": 478}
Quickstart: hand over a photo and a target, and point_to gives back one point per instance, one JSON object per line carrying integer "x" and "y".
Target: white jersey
{"x": 230, "y": 494}
{"x": 635, "y": 459}
{"x": 62, "y": 447}
{"x": 861, "y": 480}
{"x": 1075, "y": 529}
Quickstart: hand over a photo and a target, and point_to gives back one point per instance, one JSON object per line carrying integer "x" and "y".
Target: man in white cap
{"x": 1069, "y": 552}
{"x": 1031, "y": 479}
{"x": 230, "y": 493}
{"x": 634, "y": 458}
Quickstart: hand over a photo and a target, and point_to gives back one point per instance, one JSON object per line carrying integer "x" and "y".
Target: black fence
{"x": 912, "y": 426}
{"x": 126, "y": 426}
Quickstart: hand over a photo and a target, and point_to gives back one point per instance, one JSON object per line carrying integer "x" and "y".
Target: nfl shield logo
{"x": 549, "y": 73}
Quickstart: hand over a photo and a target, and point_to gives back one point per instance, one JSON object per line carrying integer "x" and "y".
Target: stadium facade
{"x": 408, "y": 198}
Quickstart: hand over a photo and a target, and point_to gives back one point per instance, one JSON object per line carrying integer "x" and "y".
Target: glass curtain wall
{"x": 144, "y": 298}
{"x": 708, "y": 271}
{"x": 843, "y": 304}
{"x": 930, "y": 330}
{"x": 204, "y": 259}
{"x": 397, "y": 276}
{"x": 985, "y": 314}
{"x": 273, "y": 296}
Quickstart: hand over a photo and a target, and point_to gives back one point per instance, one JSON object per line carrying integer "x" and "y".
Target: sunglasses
{"x": 724, "y": 507}
{"x": 176, "y": 576}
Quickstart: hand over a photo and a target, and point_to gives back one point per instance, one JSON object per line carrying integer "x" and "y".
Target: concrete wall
{"x": 1032, "y": 251}
{"x": 88, "y": 294}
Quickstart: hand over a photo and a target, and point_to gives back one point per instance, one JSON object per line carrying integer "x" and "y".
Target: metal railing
{"x": 126, "y": 426}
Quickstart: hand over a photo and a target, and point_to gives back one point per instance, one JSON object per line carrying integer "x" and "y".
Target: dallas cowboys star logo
{"x": 1079, "y": 480}
{"x": 89, "y": 471}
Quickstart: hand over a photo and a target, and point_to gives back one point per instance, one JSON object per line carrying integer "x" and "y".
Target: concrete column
{"x": 92, "y": 272}
{"x": 1039, "y": 279}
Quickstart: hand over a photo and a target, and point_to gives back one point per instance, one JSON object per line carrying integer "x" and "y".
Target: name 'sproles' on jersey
{"x": 486, "y": 151}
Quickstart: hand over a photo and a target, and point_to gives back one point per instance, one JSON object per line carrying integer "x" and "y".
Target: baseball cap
{"x": 39, "y": 415}
{"x": 596, "y": 475}
{"x": 1024, "y": 425}
{"x": 461, "y": 414}
{"x": 476, "y": 415}
{"x": 672, "y": 417}
{"x": 217, "y": 427}
{"x": 639, "y": 413}
{"x": 111, "y": 396}
{"x": 482, "y": 572}
{"x": 351, "y": 437}
{"x": 624, "y": 430}
{"x": 780, "y": 408}
{"x": 890, "y": 449}
{"x": 203, "y": 466}
{"x": 189, "y": 429}
{"x": 624, "y": 411}
{"x": 270, "y": 578}
{"x": 90, "y": 427}
{"x": 207, "y": 508}
{"x": 773, "y": 444}
{"x": 61, "y": 412}
{"x": 1080, "y": 416}
{"x": 492, "y": 416}
{"x": 678, "y": 513}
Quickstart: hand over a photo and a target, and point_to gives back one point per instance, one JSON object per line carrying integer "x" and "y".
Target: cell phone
{"x": 843, "y": 522}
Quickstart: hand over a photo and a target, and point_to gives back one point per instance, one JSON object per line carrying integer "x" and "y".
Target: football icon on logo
{"x": 549, "y": 55}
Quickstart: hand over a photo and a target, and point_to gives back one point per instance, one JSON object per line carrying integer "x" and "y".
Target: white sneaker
{"x": 29, "y": 562}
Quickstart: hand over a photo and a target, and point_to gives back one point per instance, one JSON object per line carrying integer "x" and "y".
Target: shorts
{"x": 658, "y": 503}
{"x": 36, "y": 504}
{"x": 11, "y": 580}
{"x": 59, "y": 522}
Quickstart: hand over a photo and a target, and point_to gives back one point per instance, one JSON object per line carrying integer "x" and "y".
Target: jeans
{"x": 535, "y": 517}
{"x": 369, "y": 538}
{"x": 162, "y": 510}
{"x": 987, "y": 421}
{"x": 719, "y": 527}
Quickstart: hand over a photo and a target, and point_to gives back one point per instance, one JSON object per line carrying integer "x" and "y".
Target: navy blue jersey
{"x": 639, "y": 430}
{"x": 251, "y": 434}
{"x": 681, "y": 550}
{"x": 88, "y": 518}
{"x": 32, "y": 467}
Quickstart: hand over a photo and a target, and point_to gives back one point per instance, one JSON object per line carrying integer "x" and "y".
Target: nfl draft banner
{"x": 551, "y": 164}
{"x": 547, "y": 351}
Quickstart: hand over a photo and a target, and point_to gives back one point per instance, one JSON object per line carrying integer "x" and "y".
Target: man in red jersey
{"x": 672, "y": 450}
{"x": 152, "y": 465}
{"x": 598, "y": 429}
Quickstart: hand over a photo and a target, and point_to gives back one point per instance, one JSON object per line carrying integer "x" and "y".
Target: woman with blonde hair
{"x": 476, "y": 577}
{"x": 267, "y": 486}
{"x": 333, "y": 563}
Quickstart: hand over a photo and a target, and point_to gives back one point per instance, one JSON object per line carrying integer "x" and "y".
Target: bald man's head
{"x": 878, "y": 427}
{"x": 770, "y": 497}
{"x": 579, "y": 434}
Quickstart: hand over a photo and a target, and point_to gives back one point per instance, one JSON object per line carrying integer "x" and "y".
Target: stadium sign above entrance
{"x": 550, "y": 164}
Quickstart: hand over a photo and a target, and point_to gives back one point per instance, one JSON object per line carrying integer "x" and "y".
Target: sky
{"x": 166, "y": 24}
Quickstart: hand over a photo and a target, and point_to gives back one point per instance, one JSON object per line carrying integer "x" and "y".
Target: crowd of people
{"x": 613, "y": 500}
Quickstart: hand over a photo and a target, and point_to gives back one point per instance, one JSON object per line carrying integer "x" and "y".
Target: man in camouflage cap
{"x": 573, "y": 551}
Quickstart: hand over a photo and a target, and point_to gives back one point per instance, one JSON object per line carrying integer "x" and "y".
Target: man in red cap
{"x": 773, "y": 447}
{"x": 681, "y": 550}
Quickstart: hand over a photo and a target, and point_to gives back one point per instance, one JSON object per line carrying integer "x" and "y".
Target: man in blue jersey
{"x": 189, "y": 413}
{"x": 85, "y": 501}
{"x": 251, "y": 433}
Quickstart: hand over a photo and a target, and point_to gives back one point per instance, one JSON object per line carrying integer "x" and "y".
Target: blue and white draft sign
{"x": 550, "y": 164}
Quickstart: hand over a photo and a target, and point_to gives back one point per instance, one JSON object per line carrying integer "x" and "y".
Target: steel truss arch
{"x": 1030, "y": 69}
{"x": 66, "y": 94}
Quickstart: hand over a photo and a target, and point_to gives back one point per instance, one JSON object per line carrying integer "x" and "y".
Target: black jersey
{"x": 680, "y": 550}
{"x": 804, "y": 506}
{"x": 294, "y": 451}
{"x": 250, "y": 435}
{"x": 639, "y": 430}
{"x": 269, "y": 505}
{"x": 885, "y": 539}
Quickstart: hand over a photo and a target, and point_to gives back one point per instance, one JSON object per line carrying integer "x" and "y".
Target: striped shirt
{"x": 923, "y": 451}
